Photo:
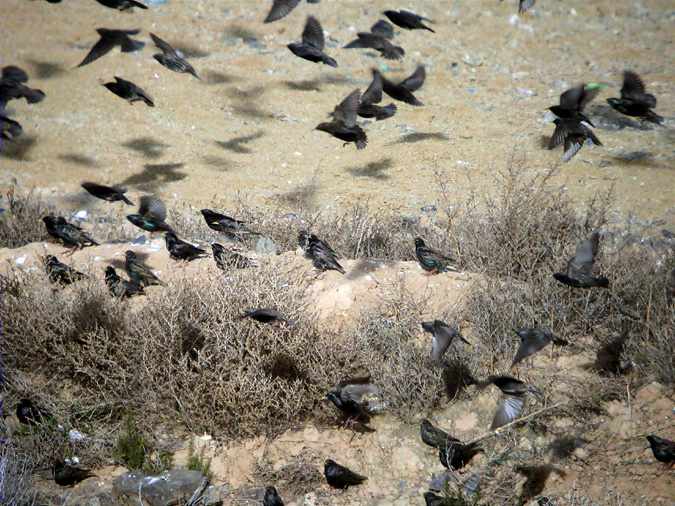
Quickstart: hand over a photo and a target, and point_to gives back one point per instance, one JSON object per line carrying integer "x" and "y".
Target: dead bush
{"x": 21, "y": 223}
{"x": 16, "y": 469}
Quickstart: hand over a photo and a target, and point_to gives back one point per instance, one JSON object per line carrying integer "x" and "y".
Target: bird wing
{"x": 163, "y": 46}
{"x": 312, "y": 35}
{"x": 152, "y": 207}
{"x": 572, "y": 147}
{"x": 415, "y": 81}
{"x": 14, "y": 73}
{"x": 345, "y": 111}
{"x": 571, "y": 98}
{"x": 373, "y": 95}
{"x": 559, "y": 135}
{"x": 508, "y": 410}
{"x": 439, "y": 345}
{"x": 632, "y": 85}
{"x": 101, "y": 48}
{"x": 383, "y": 29}
{"x": 280, "y": 9}
{"x": 584, "y": 256}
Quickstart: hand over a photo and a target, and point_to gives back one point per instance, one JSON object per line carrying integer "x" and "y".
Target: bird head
{"x": 419, "y": 242}
{"x": 129, "y": 255}
{"x": 324, "y": 127}
{"x": 110, "y": 272}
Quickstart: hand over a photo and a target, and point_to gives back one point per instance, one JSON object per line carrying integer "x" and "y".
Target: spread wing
{"x": 152, "y": 207}
{"x": 280, "y": 9}
{"x": 416, "y": 79}
{"x": 163, "y": 46}
{"x": 558, "y": 136}
{"x": 312, "y": 35}
{"x": 632, "y": 84}
{"x": 101, "y": 48}
{"x": 572, "y": 147}
{"x": 383, "y": 29}
{"x": 571, "y": 98}
{"x": 509, "y": 409}
{"x": 14, "y": 73}
{"x": 373, "y": 95}
{"x": 345, "y": 111}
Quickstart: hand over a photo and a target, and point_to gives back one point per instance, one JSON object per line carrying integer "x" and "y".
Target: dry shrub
{"x": 21, "y": 223}
{"x": 16, "y": 469}
{"x": 299, "y": 476}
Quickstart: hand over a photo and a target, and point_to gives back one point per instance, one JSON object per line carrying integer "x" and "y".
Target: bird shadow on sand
{"x": 300, "y": 197}
{"x": 374, "y": 170}
{"x": 238, "y": 144}
{"x": 18, "y": 149}
{"x": 213, "y": 77}
{"x": 118, "y": 261}
{"x": 606, "y": 118}
{"x": 154, "y": 175}
{"x": 78, "y": 159}
{"x": 365, "y": 266}
{"x": 411, "y": 138}
{"x": 146, "y": 146}
{"x": 242, "y": 33}
{"x": 563, "y": 447}
{"x": 218, "y": 162}
{"x": 46, "y": 70}
{"x": 245, "y": 102}
{"x": 315, "y": 84}
{"x": 638, "y": 158}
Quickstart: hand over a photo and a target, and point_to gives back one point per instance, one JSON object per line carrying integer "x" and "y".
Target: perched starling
{"x": 70, "y": 235}
{"x": 122, "y": 5}
{"x": 151, "y": 215}
{"x": 312, "y": 45}
{"x": 121, "y": 287}
{"x": 433, "y": 436}
{"x": 571, "y": 133}
{"x": 580, "y": 266}
{"x": 281, "y": 9}
{"x": 272, "y": 497}
{"x": 408, "y": 20}
{"x": 532, "y": 340}
{"x": 13, "y": 87}
{"x": 30, "y": 414}
{"x": 443, "y": 335}
{"x": 129, "y": 91}
{"x": 68, "y": 475}
{"x": 322, "y": 255}
{"x": 170, "y": 58}
{"x": 373, "y": 96}
{"x": 663, "y": 449}
{"x": 574, "y": 100}
{"x": 339, "y": 476}
{"x": 61, "y": 273}
{"x": 306, "y": 241}
{"x": 227, "y": 259}
{"x": 635, "y": 101}
{"x": 378, "y": 39}
{"x": 266, "y": 315}
{"x": 431, "y": 260}
{"x": 225, "y": 224}
{"x": 344, "y": 125}
{"x": 181, "y": 250}
{"x": 138, "y": 272}
{"x": 403, "y": 91}
{"x": 108, "y": 40}
{"x": 107, "y": 193}
{"x": 511, "y": 405}
{"x": 455, "y": 454}
{"x": 9, "y": 129}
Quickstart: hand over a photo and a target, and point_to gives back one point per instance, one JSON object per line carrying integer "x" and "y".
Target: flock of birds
{"x": 350, "y": 397}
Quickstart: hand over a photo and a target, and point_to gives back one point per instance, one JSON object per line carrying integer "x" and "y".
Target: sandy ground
{"x": 248, "y": 126}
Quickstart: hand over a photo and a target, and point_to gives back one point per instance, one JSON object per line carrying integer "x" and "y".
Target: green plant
{"x": 131, "y": 447}
{"x": 198, "y": 462}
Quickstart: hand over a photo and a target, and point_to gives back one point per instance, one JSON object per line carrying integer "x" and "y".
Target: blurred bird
{"x": 151, "y": 215}
{"x": 13, "y": 87}
{"x": 663, "y": 449}
{"x": 378, "y": 39}
{"x": 340, "y": 477}
{"x": 433, "y": 436}
{"x": 432, "y": 499}
{"x": 70, "y": 235}
{"x": 372, "y": 96}
{"x": 281, "y": 8}
{"x": 524, "y": 5}
{"x": 29, "y": 414}
{"x": 14, "y": 73}
{"x": 532, "y": 340}
{"x": 225, "y": 224}
{"x": 443, "y": 335}
{"x": 635, "y": 101}
{"x": 408, "y": 20}
{"x": 322, "y": 255}
{"x": 171, "y": 59}
{"x": 227, "y": 259}
{"x": 579, "y": 268}
{"x": 122, "y": 5}
{"x": 344, "y": 125}
{"x": 68, "y": 475}
{"x": 138, "y": 272}
{"x": 272, "y": 497}
{"x": 455, "y": 455}
{"x": 9, "y": 129}
{"x": 181, "y": 250}
{"x": 129, "y": 91}
{"x": 266, "y": 315}
{"x": 351, "y": 396}
{"x": 107, "y": 193}
{"x": 108, "y": 40}
{"x": 513, "y": 402}
{"x": 403, "y": 91}
{"x": 574, "y": 100}
{"x": 312, "y": 45}
{"x": 119, "y": 287}
{"x": 306, "y": 241}
{"x": 572, "y": 134}
{"x": 432, "y": 260}
{"x": 609, "y": 359}
{"x": 61, "y": 273}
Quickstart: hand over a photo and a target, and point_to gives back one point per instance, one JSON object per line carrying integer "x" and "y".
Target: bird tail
{"x": 654, "y": 118}
{"x": 34, "y": 96}
{"x": 147, "y": 101}
{"x": 329, "y": 61}
{"x": 129, "y": 45}
{"x": 127, "y": 201}
{"x": 139, "y": 4}
{"x": 428, "y": 28}
{"x": 386, "y": 112}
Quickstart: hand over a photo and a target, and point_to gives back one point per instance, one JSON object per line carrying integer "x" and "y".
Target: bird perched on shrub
{"x": 30, "y": 414}
{"x": 68, "y": 475}
{"x": 579, "y": 268}
{"x": 138, "y": 272}
{"x": 663, "y": 449}
{"x": 272, "y": 497}
{"x": 514, "y": 392}
{"x": 170, "y": 58}
{"x": 129, "y": 91}
{"x": 532, "y": 340}
{"x": 368, "y": 107}
{"x": 151, "y": 215}
{"x": 408, "y": 20}
{"x": 442, "y": 337}
{"x": 119, "y": 287}
{"x": 69, "y": 234}
{"x": 108, "y": 39}
{"x": 432, "y": 260}
{"x": 344, "y": 125}
{"x": 322, "y": 255}
{"x": 227, "y": 259}
{"x": 403, "y": 91}
{"x": 231, "y": 227}
{"x": 379, "y": 39}
{"x": 181, "y": 250}
{"x": 341, "y": 477}
{"x": 61, "y": 273}
{"x": 635, "y": 101}
{"x": 312, "y": 46}
{"x": 107, "y": 193}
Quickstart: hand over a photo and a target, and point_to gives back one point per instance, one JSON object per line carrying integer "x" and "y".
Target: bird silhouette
{"x": 635, "y": 101}
{"x": 312, "y": 46}
{"x": 29, "y": 414}
{"x": 281, "y": 9}
{"x": 107, "y": 193}
{"x": 170, "y": 58}
{"x": 408, "y": 20}
{"x": 138, "y": 272}
{"x": 403, "y": 91}
{"x": 69, "y": 234}
{"x": 121, "y": 288}
{"x": 151, "y": 215}
{"x": 513, "y": 401}
{"x": 532, "y": 340}
{"x": 572, "y": 134}
{"x": 108, "y": 39}
{"x": 339, "y": 476}
{"x": 574, "y": 100}
{"x": 379, "y": 39}
{"x": 272, "y": 497}
{"x": 181, "y": 250}
{"x": 227, "y": 259}
{"x": 368, "y": 107}
{"x": 431, "y": 260}
{"x": 67, "y": 475}
{"x": 61, "y": 273}
{"x": 663, "y": 449}
{"x": 122, "y": 5}
{"x": 344, "y": 125}
{"x": 442, "y": 337}
{"x": 129, "y": 91}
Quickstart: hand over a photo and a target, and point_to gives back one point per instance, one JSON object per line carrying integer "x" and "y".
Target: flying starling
{"x": 122, "y": 5}
{"x": 108, "y": 40}
{"x": 635, "y": 101}
{"x": 513, "y": 401}
{"x": 580, "y": 266}
{"x": 408, "y": 20}
{"x": 403, "y": 91}
{"x": 181, "y": 250}
{"x": 68, "y": 475}
{"x": 344, "y": 125}
{"x": 266, "y": 315}
{"x": 272, "y": 497}
{"x": 281, "y": 9}
{"x": 119, "y": 287}
{"x": 129, "y": 91}
{"x": 340, "y": 477}
{"x": 571, "y": 133}
{"x": 13, "y": 87}
{"x": 170, "y": 58}
{"x": 455, "y": 454}
{"x": 312, "y": 45}
{"x": 138, "y": 272}
{"x": 663, "y": 449}
{"x": 151, "y": 215}
{"x": 107, "y": 193}
{"x": 9, "y": 129}
{"x": 378, "y": 39}
{"x": 432, "y": 260}
{"x": 532, "y": 340}
{"x": 222, "y": 223}
{"x": 373, "y": 96}
{"x": 30, "y": 414}
{"x": 574, "y": 100}
{"x": 70, "y": 235}
{"x": 61, "y": 273}
{"x": 443, "y": 335}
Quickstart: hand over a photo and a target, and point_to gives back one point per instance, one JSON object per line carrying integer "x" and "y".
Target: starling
{"x": 403, "y": 91}
{"x": 14, "y": 73}
{"x": 306, "y": 241}
{"x": 663, "y": 449}
{"x": 635, "y": 101}
{"x": 266, "y": 315}
{"x": 61, "y": 273}
{"x": 225, "y": 224}
{"x": 344, "y": 125}
{"x": 432, "y": 499}
{"x": 372, "y": 96}
{"x": 580, "y": 266}
{"x": 151, "y": 215}
{"x": 378, "y": 39}
{"x": 227, "y": 259}
{"x": 322, "y": 255}
{"x": 443, "y": 335}
{"x": 572, "y": 133}
{"x": 138, "y": 272}
{"x": 281, "y": 9}
{"x": 408, "y": 20}
{"x": 339, "y": 476}
{"x": 609, "y": 357}
{"x": 455, "y": 454}
{"x": 312, "y": 45}
{"x": 512, "y": 403}
{"x": 129, "y": 91}
{"x": 574, "y": 100}
{"x": 272, "y": 497}
{"x": 170, "y": 58}
{"x": 9, "y": 129}
{"x": 70, "y": 235}
{"x": 532, "y": 340}
{"x": 349, "y": 396}
{"x": 107, "y": 193}
{"x": 30, "y": 414}
{"x": 181, "y": 250}
{"x": 108, "y": 40}
{"x": 13, "y": 87}
{"x": 122, "y": 5}
{"x": 121, "y": 287}
{"x": 431, "y": 260}
{"x": 433, "y": 436}
{"x": 68, "y": 475}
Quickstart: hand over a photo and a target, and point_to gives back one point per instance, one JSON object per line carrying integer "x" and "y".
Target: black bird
{"x": 349, "y": 396}
{"x": 119, "y": 287}
{"x": 307, "y": 240}
{"x": 122, "y": 5}
{"x": 513, "y": 402}
{"x": 383, "y": 29}
{"x": 322, "y": 255}
{"x": 408, "y": 20}
{"x": 378, "y": 39}
{"x": 430, "y": 259}
{"x": 266, "y": 315}
{"x": 572, "y": 134}
{"x": 13, "y": 87}
{"x": 339, "y": 476}
{"x": 227, "y": 258}
{"x": 272, "y": 497}
{"x": 281, "y": 9}
{"x": 373, "y": 96}
{"x": 171, "y": 59}
{"x": 455, "y": 454}
{"x": 107, "y": 193}
{"x": 663, "y": 449}
{"x": 70, "y": 235}
{"x": 573, "y": 102}
{"x": 181, "y": 250}
{"x": 61, "y": 273}
{"x": 432, "y": 499}
{"x": 14, "y": 73}
{"x": 579, "y": 268}
{"x": 432, "y": 435}
{"x": 532, "y": 340}
{"x": 312, "y": 45}
{"x": 344, "y": 125}
{"x": 403, "y": 91}
{"x": 108, "y": 40}
{"x": 635, "y": 101}
{"x": 138, "y": 272}
{"x": 609, "y": 359}
{"x": 151, "y": 215}
{"x": 9, "y": 129}
{"x": 443, "y": 335}
{"x": 225, "y": 224}
{"x": 129, "y": 91}
{"x": 68, "y": 475}
{"x": 30, "y": 414}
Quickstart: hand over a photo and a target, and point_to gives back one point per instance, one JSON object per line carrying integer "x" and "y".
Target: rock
{"x": 266, "y": 246}
{"x": 173, "y": 487}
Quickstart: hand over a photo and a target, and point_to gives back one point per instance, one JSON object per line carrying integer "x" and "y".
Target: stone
{"x": 266, "y": 246}
{"x": 173, "y": 487}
